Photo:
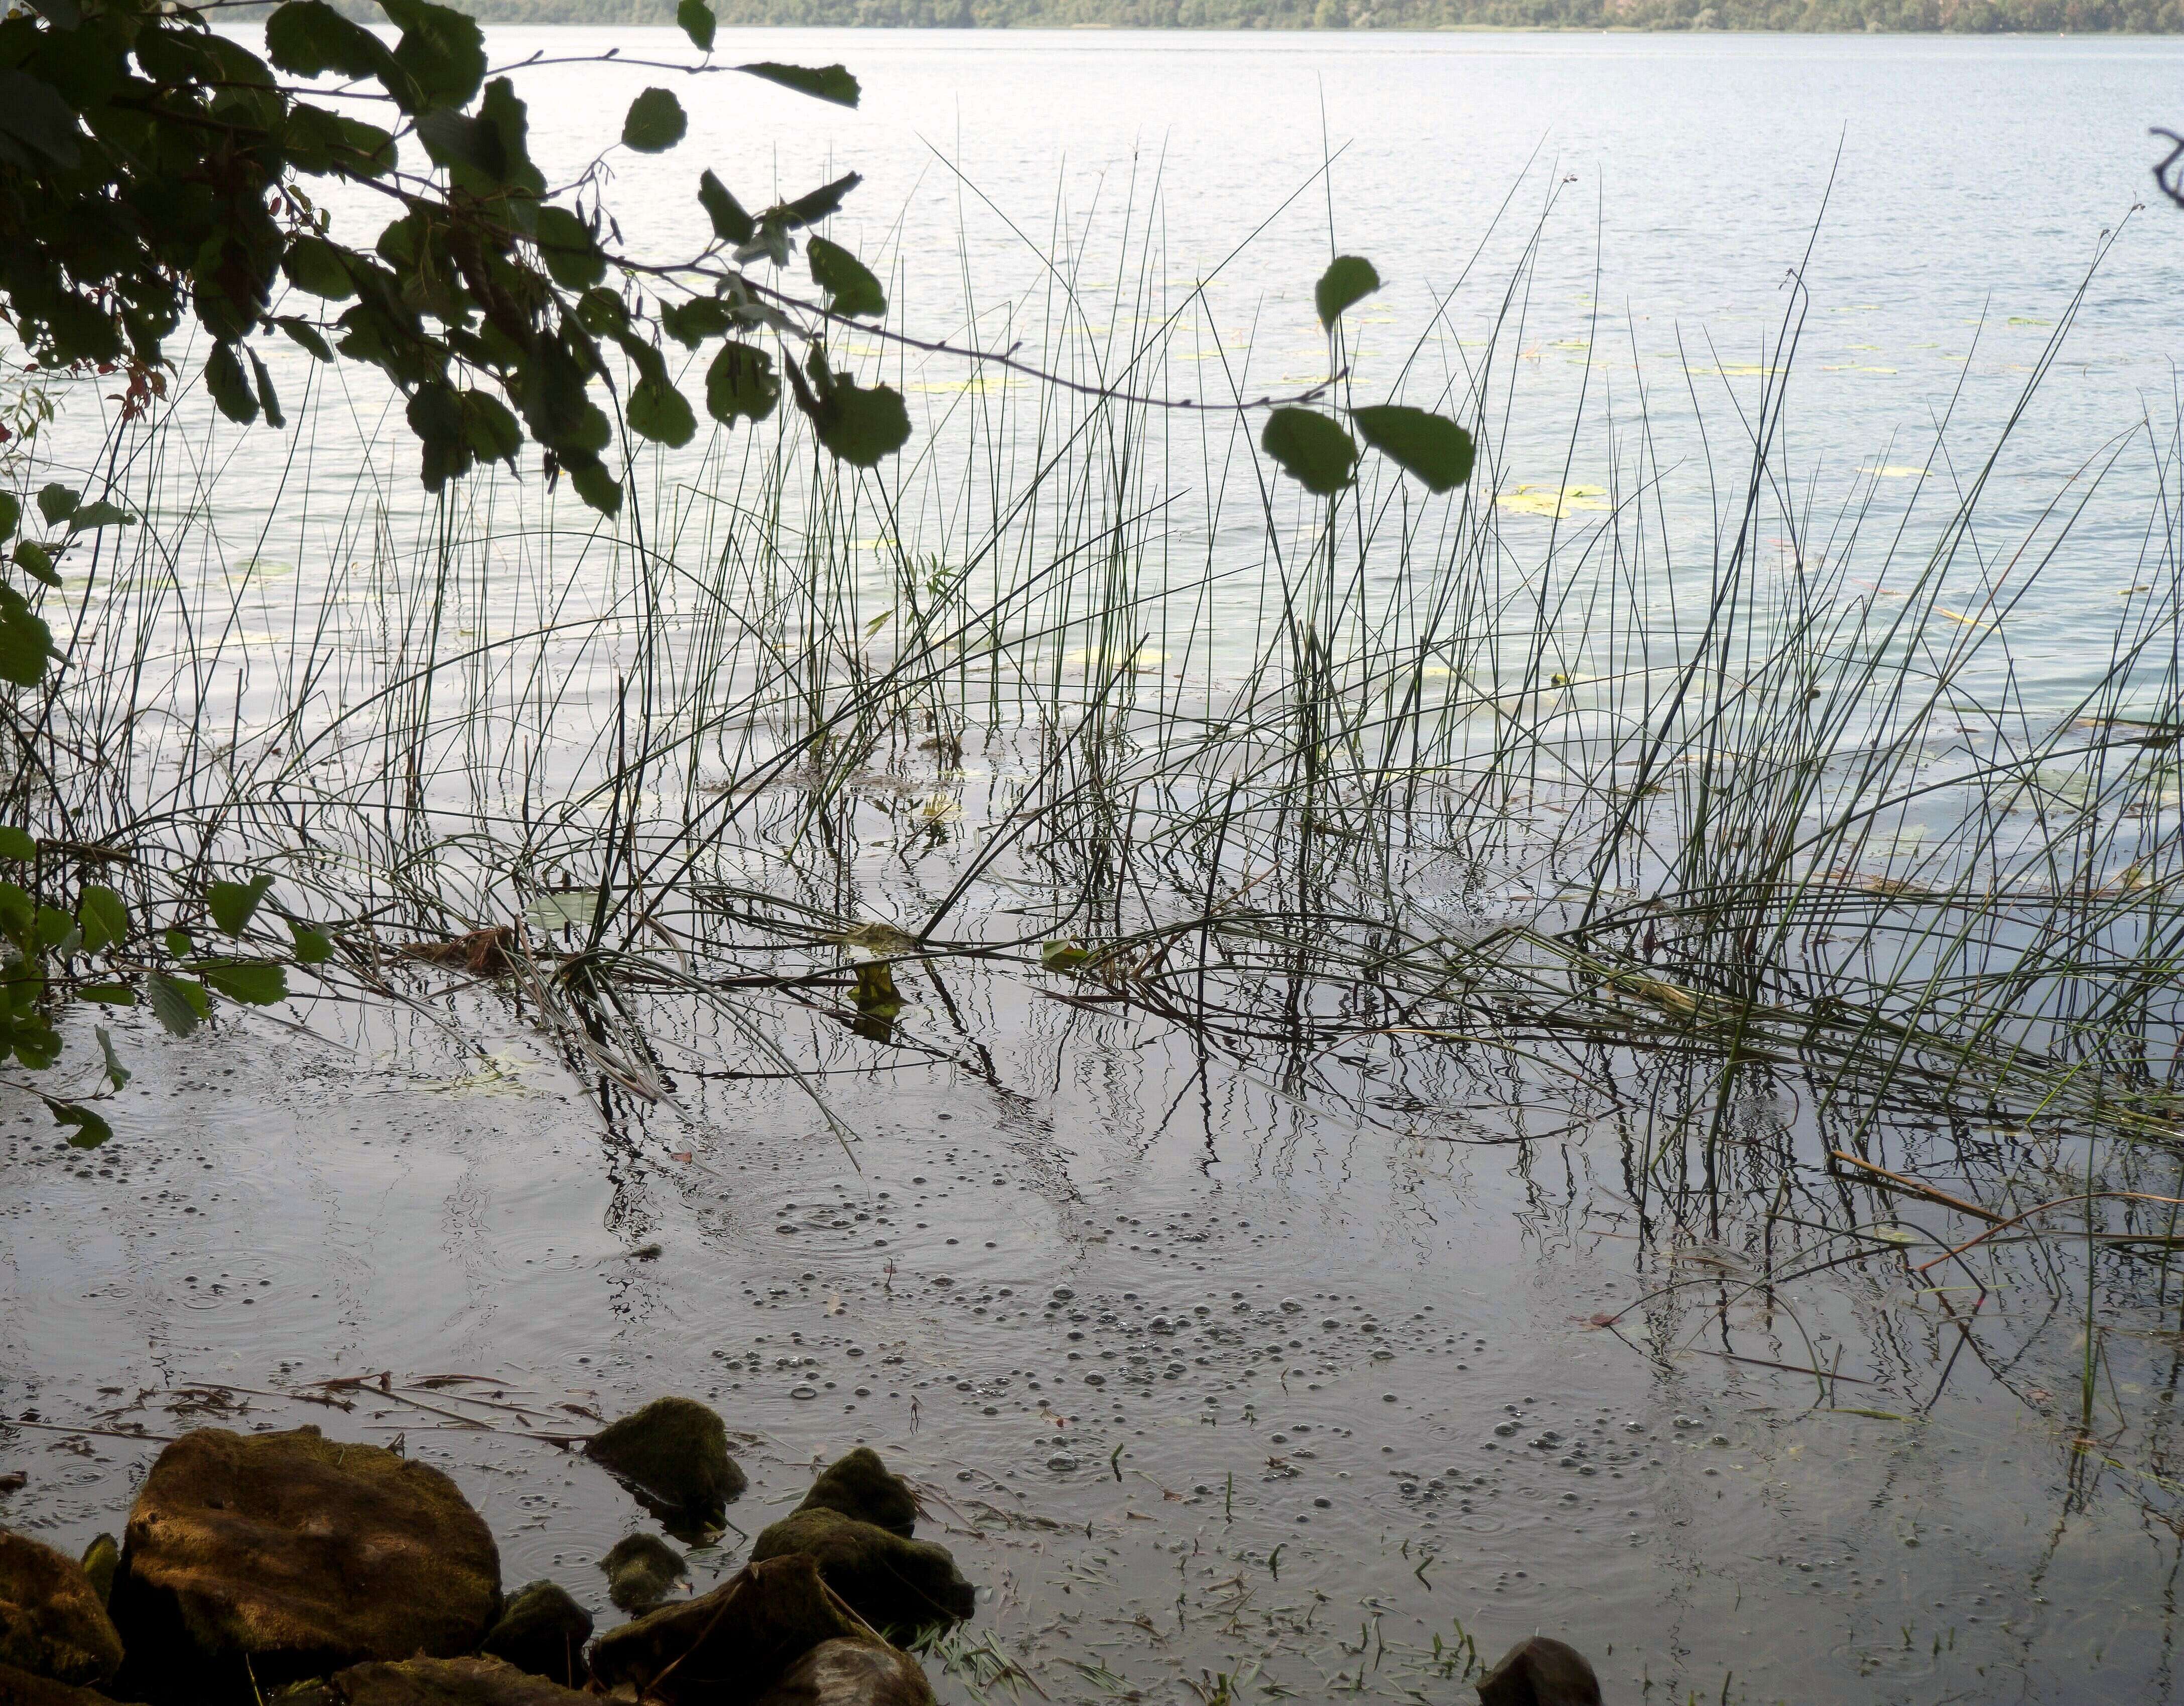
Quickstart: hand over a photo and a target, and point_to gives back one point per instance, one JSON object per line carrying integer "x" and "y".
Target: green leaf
{"x": 819, "y": 204}
{"x": 571, "y": 254}
{"x": 100, "y": 513}
{"x": 696, "y": 18}
{"x": 254, "y": 983}
{"x": 103, "y": 917}
{"x": 267, "y": 398}
{"x": 1430, "y": 446}
{"x": 825, "y": 82}
{"x": 177, "y": 1003}
{"x": 57, "y": 932}
{"x": 232, "y": 903}
{"x": 25, "y": 642}
{"x": 731, "y": 224}
{"x": 658, "y": 411}
{"x": 691, "y": 323}
{"x": 89, "y": 1128}
{"x": 16, "y": 844}
{"x": 442, "y": 51}
{"x": 304, "y": 332}
{"x": 654, "y": 123}
{"x": 116, "y": 1074}
{"x": 37, "y": 115}
{"x": 230, "y": 389}
{"x": 321, "y": 268}
{"x": 57, "y": 503}
{"x": 178, "y": 943}
{"x": 109, "y": 994}
{"x": 1349, "y": 279}
{"x": 741, "y": 381}
{"x": 1313, "y": 450}
{"x": 314, "y": 946}
{"x": 489, "y": 429}
{"x": 596, "y": 486}
{"x": 861, "y": 426}
{"x": 309, "y": 38}
{"x": 1063, "y": 954}
{"x": 18, "y": 915}
{"x": 849, "y": 285}
{"x": 11, "y": 514}
{"x": 35, "y": 560}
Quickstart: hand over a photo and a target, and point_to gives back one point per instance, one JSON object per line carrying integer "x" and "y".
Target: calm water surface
{"x": 1203, "y": 1381}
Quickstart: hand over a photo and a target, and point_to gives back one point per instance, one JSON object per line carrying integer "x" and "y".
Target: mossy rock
{"x": 896, "y": 1585}
{"x": 673, "y": 1455}
{"x": 641, "y": 1571}
{"x": 1541, "y": 1672}
{"x": 101, "y": 1559}
{"x": 52, "y": 1622}
{"x": 433, "y": 1682}
{"x": 21, "y": 1688}
{"x": 267, "y": 1558}
{"x": 729, "y": 1647}
{"x": 851, "y": 1673}
{"x": 860, "y": 1485}
{"x": 543, "y": 1631}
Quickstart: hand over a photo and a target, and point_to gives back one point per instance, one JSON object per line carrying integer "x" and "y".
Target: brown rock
{"x": 257, "y": 1559}
{"x": 851, "y": 1673}
{"x": 21, "y": 1688}
{"x": 729, "y": 1647}
{"x": 894, "y": 1584}
{"x": 433, "y": 1682}
{"x": 673, "y": 1455}
{"x": 860, "y": 1485}
{"x": 52, "y": 1623}
{"x": 1541, "y": 1672}
{"x": 542, "y": 1631}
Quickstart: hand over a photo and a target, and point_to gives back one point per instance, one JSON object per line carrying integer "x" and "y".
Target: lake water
{"x": 1206, "y": 1377}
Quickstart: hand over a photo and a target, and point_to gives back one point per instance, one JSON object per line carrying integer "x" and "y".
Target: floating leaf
{"x": 1349, "y": 279}
{"x": 1430, "y": 446}
{"x": 1063, "y": 954}
{"x": 1314, "y": 451}
{"x": 655, "y": 122}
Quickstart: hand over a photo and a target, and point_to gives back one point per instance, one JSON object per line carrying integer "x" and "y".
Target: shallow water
{"x": 1194, "y": 1380}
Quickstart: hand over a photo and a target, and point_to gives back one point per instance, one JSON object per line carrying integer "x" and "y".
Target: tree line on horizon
{"x": 1959, "y": 17}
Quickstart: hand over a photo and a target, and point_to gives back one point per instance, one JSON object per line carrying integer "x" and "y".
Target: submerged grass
{"x": 1747, "y": 834}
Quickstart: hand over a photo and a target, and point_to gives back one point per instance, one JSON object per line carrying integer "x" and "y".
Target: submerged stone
{"x": 851, "y": 1673}
{"x": 542, "y": 1631}
{"x": 894, "y": 1584}
{"x": 860, "y": 1485}
{"x": 22, "y": 1688}
{"x": 261, "y": 1559}
{"x": 673, "y": 1455}
{"x": 729, "y": 1647}
{"x": 52, "y": 1620}
{"x": 432, "y": 1682}
{"x": 1541, "y": 1672}
{"x": 641, "y": 1570}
